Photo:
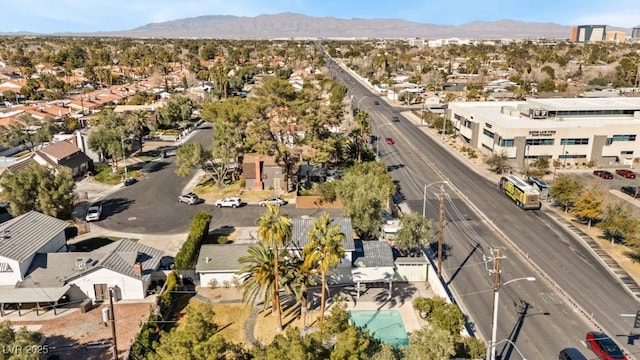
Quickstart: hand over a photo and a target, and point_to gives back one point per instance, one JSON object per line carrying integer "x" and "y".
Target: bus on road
{"x": 523, "y": 194}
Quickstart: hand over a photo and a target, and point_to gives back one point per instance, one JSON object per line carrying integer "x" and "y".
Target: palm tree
{"x": 258, "y": 274}
{"x": 136, "y": 123}
{"x": 275, "y": 230}
{"x": 298, "y": 274}
{"x": 326, "y": 249}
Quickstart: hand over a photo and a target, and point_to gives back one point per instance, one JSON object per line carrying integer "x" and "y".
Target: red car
{"x": 626, "y": 173}
{"x": 603, "y": 174}
{"x": 604, "y": 347}
{"x": 390, "y": 141}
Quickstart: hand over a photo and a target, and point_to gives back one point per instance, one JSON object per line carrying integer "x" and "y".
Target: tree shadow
{"x": 63, "y": 347}
{"x": 115, "y": 206}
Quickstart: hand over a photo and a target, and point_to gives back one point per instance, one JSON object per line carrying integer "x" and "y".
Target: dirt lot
{"x": 84, "y": 336}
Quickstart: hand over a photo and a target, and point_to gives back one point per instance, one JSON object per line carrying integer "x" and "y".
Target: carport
{"x": 31, "y": 295}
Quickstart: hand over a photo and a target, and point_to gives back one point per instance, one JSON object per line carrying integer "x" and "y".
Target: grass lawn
{"x": 266, "y": 327}
{"x": 105, "y": 175}
{"x": 207, "y": 189}
{"x": 96, "y": 242}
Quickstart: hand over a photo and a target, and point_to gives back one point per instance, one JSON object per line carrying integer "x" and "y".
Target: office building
{"x": 574, "y": 130}
{"x": 588, "y": 33}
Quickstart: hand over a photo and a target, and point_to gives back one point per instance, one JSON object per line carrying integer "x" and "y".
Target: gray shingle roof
{"x": 300, "y": 228}
{"x": 221, "y": 258}
{"x": 373, "y": 254}
{"x": 60, "y": 268}
{"x": 24, "y": 235}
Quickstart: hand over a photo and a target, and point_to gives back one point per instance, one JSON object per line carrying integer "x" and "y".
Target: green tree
{"x": 275, "y": 230}
{"x": 198, "y": 338}
{"x": 39, "y": 188}
{"x": 325, "y": 249}
{"x": 431, "y": 343}
{"x": 178, "y": 109}
{"x": 257, "y": 275}
{"x": 589, "y": 203}
{"x": 416, "y": 231}
{"x": 499, "y": 163}
{"x": 619, "y": 223}
{"x": 365, "y": 190}
{"x": 137, "y": 124}
{"x": 20, "y": 132}
{"x": 299, "y": 273}
{"x": 18, "y": 339}
{"x": 216, "y": 162}
{"x": 292, "y": 345}
{"x": 541, "y": 165}
{"x": 565, "y": 189}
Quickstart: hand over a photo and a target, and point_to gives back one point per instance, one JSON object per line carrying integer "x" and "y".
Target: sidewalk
{"x": 613, "y": 257}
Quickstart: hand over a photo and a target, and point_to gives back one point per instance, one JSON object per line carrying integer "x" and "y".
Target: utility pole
{"x": 491, "y": 355}
{"x": 440, "y": 231}
{"x": 112, "y": 319}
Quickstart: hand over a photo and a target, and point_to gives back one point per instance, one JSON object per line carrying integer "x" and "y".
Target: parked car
{"x": 390, "y": 141}
{"x": 376, "y": 102}
{"x": 603, "y": 174}
{"x": 130, "y": 181}
{"x": 632, "y": 191}
{"x": 273, "y": 201}
{"x": 395, "y": 119}
{"x": 190, "y": 199}
{"x": 232, "y": 202}
{"x": 93, "y": 213}
{"x": 602, "y": 345}
{"x": 571, "y": 354}
{"x": 626, "y": 173}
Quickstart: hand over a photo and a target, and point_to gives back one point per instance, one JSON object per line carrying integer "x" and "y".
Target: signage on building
{"x": 542, "y": 132}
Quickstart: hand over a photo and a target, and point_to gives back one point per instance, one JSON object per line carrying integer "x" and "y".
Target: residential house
{"x": 66, "y": 154}
{"x": 363, "y": 261}
{"x": 262, "y": 172}
{"x": 36, "y": 269}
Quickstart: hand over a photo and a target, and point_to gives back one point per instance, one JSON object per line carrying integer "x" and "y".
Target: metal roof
{"x": 222, "y": 258}
{"x": 372, "y": 254}
{"x": 24, "y": 235}
{"x": 300, "y": 228}
{"x": 11, "y": 295}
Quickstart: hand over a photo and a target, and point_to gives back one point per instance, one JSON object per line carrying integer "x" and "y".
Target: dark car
{"x": 603, "y": 174}
{"x": 604, "y": 348}
{"x": 626, "y": 173}
{"x": 395, "y": 119}
{"x": 632, "y": 191}
{"x": 376, "y": 102}
{"x": 130, "y": 181}
{"x": 571, "y": 354}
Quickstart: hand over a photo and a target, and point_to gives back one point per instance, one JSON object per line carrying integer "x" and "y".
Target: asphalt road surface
{"x": 574, "y": 291}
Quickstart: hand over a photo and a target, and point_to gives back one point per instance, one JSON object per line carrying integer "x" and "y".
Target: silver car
{"x": 93, "y": 213}
{"x": 273, "y": 201}
{"x": 232, "y": 202}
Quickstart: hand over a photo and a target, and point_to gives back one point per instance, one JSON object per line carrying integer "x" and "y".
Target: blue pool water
{"x": 385, "y": 325}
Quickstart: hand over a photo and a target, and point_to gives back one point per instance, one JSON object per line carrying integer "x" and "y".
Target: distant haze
{"x": 289, "y": 25}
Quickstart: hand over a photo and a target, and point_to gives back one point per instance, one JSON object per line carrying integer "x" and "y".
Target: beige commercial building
{"x": 572, "y": 130}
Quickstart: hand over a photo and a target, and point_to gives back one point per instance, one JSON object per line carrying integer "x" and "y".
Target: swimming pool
{"x": 385, "y": 325}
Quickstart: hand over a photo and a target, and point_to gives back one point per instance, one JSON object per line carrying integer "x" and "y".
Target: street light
{"x": 362, "y": 98}
{"x": 512, "y": 344}
{"x": 424, "y": 196}
{"x": 491, "y": 350}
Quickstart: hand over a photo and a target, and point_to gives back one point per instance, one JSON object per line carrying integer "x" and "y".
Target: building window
{"x": 626, "y": 152}
{"x": 488, "y": 133}
{"x": 623, "y": 138}
{"x": 506, "y": 142}
{"x": 578, "y": 141}
{"x": 536, "y": 142}
{"x": 468, "y": 124}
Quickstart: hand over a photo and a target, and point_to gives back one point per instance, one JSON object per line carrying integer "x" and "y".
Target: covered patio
{"x": 31, "y": 298}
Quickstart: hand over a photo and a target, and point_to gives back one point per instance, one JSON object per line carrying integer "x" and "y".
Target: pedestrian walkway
{"x": 625, "y": 278}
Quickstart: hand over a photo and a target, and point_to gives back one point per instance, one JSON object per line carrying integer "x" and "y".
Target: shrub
{"x": 213, "y": 283}
{"x": 197, "y": 234}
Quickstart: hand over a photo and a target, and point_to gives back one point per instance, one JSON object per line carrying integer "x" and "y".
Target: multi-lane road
{"x": 574, "y": 291}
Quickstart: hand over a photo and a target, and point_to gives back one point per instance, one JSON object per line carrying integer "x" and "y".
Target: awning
{"x": 14, "y": 295}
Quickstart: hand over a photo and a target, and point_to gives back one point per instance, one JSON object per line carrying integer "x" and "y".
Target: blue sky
{"x": 50, "y": 16}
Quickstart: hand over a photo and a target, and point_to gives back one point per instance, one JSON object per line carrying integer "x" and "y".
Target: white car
{"x": 273, "y": 201}
{"x": 93, "y": 213}
{"x": 190, "y": 199}
{"x": 232, "y": 202}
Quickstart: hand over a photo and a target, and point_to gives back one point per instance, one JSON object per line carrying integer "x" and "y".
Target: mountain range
{"x": 290, "y": 25}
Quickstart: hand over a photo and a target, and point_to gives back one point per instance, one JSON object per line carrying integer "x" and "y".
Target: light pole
{"x": 491, "y": 350}
{"x": 358, "y": 104}
{"x": 124, "y": 159}
{"x": 440, "y": 221}
{"x": 424, "y": 196}
{"x": 512, "y": 343}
